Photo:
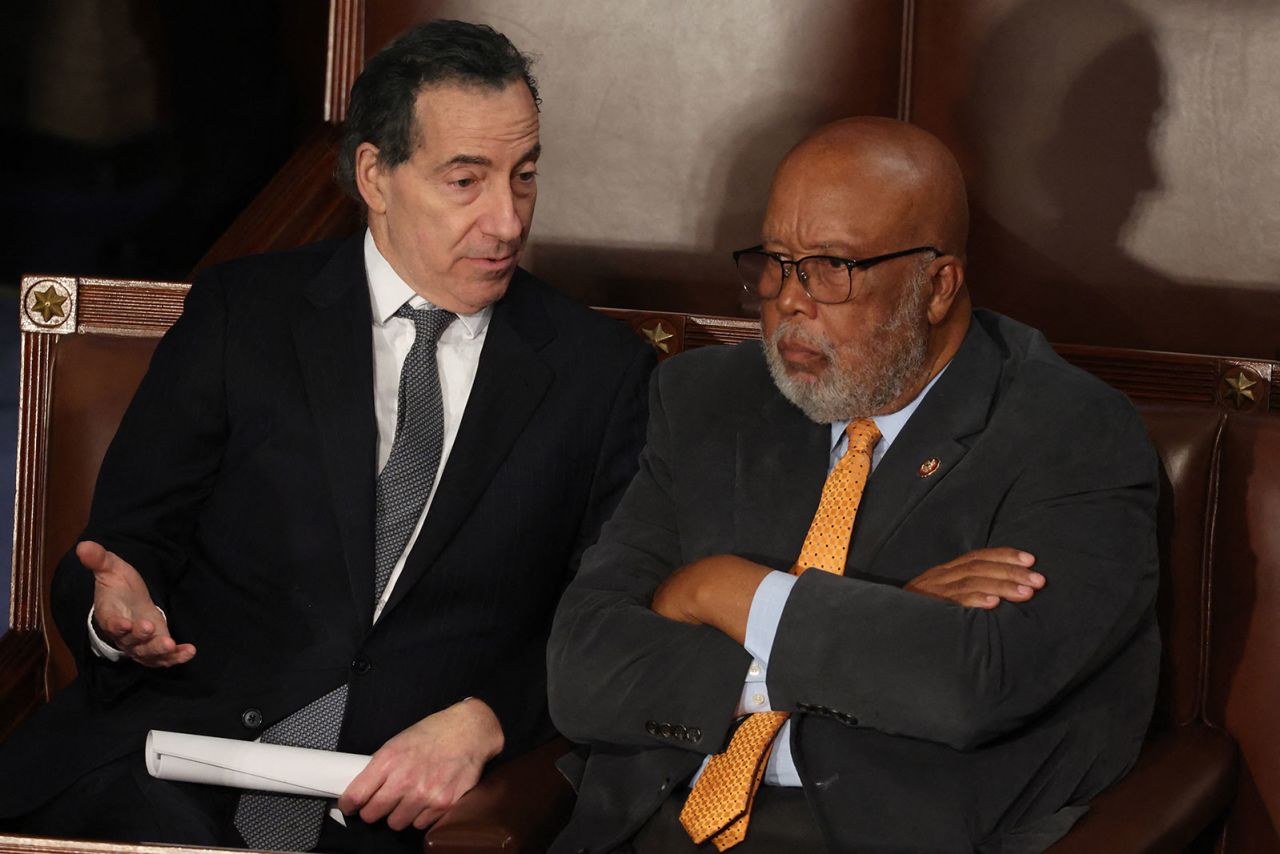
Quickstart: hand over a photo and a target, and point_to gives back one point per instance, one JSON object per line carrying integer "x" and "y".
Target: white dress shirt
{"x": 457, "y": 357}
{"x": 771, "y": 598}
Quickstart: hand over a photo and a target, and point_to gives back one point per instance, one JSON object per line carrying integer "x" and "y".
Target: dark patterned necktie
{"x": 289, "y": 822}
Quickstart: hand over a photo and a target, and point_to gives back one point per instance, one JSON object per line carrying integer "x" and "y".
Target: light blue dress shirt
{"x": 771, "y": 598}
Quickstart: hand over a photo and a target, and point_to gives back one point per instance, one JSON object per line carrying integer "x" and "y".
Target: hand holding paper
{"x": 250, "y": 764}
{"x": 417, "y": 775}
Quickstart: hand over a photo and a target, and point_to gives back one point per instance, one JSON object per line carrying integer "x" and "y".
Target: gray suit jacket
{"x": 919, "y": 725}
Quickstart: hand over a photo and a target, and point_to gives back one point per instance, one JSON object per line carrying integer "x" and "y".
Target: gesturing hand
{"x": 981, "y": 578}
{"x": 123, "y": 611}
{"x": 421, "y": 772}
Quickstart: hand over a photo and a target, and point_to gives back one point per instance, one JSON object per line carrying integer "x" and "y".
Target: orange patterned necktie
{"x": 719, "y": 805}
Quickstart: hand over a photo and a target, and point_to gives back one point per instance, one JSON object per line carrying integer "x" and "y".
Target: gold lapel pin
{"x": 929, "y": 466}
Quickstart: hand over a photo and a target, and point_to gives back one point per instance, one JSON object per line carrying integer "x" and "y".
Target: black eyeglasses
{"x": 826, "y": 279}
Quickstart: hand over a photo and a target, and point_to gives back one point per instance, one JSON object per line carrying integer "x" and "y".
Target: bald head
{"x": 898, "y": 177}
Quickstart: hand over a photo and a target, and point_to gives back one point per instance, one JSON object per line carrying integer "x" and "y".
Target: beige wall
{"x": 1121, "y": 153}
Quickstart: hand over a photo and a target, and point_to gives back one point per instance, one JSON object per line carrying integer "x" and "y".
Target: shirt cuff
{"x": 101, "y": 648}
{"x": 766, "y": 612}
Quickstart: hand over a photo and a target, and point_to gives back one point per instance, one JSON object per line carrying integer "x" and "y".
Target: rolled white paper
{"x": 250, "y": 764}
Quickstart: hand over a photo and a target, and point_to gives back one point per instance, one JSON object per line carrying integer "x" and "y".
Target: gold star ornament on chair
{"x": 1238, "y": 389}
{"x": 49, "y": 304}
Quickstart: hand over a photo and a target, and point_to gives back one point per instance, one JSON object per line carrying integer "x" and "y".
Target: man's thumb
{"x": 92, "y": 556}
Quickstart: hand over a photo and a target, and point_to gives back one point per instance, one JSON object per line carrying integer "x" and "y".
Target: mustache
{"x": 794, "y": 332}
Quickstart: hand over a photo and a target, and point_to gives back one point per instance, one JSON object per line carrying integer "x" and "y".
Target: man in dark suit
{"x": 347, "y": 495}
{"x": 978, "y": 658}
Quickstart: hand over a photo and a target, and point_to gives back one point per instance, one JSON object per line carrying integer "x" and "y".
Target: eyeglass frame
{"x": 849, "y": 263}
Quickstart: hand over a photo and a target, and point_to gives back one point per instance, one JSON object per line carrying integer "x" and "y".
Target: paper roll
{"x": 250, "y": 764}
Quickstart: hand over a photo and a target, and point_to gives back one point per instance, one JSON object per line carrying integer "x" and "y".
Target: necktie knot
{"x": 430, "y": 323}
{"x": 863, "y": 436}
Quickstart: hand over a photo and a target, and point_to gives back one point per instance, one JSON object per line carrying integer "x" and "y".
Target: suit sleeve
{"x": 911, "y": 665}
{"x": 619, "y": 673}
{"x": 158, "y": 469}
{"x": 507, "y": 691}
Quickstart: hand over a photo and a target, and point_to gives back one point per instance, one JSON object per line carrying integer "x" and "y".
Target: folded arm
{"x": 617, "y": 668}
{"x": 923, "y": 667}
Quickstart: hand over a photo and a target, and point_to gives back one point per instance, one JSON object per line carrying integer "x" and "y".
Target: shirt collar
{"x": 891, "y": 424}
{"x": 387, "y": 292}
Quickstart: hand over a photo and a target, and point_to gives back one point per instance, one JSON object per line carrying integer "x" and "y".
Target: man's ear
{"x": 946, "y": 278}
{"x": 371, "y": 177}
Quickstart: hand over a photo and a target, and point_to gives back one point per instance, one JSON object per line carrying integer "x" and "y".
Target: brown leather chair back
{"x": 1243, "y": 692}
{"x": 85, "y": 346}
{"x": 1189, "y": 444}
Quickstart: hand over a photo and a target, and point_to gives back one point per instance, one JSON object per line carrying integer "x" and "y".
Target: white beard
{"x": 859, "y": 380}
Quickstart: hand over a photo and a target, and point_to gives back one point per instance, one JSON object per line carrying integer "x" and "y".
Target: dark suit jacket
{"x": 241, "y": 485}
{"x": 918, "y": 725}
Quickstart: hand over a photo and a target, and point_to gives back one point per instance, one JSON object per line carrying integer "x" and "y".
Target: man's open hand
{"x": 124, "y": 614}
{"x": 981, "y": 578}
{"x": 417, "y": 775}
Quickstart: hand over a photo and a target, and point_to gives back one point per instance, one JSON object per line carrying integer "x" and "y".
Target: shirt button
{"x": 754, "y": 669}
{"x": 757, "y": 699}
{"x": 251, "y": 718}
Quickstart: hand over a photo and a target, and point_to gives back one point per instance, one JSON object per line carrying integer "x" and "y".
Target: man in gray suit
{"x": 982, "y": 659}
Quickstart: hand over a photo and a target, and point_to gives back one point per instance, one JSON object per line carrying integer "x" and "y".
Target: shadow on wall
{"x": 1066, "y": 102}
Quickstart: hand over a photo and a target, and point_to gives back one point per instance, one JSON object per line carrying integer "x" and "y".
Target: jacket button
{"x": 651, "y": 727}
{"x": 664, "y": 730}
{"x": 251, "y": 718}
{"x": 695, "y": 734}
{"x": 361, "y": 665}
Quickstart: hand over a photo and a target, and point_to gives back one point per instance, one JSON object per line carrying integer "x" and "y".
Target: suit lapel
{"x": 511, "y": 380}
{"x": 780, "y": 469}
{"x": 333, "y": 338}
{"x": 954, "y": 410}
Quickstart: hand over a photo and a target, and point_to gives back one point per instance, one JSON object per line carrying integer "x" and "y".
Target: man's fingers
{"x": 380, "y": 804}
{"x": 993, "y": 570}
{"x": 413, "y": 807}
{"x": 362, "y": 787}
{"x": 178, "y": 655}
{"x": 427, "y": 817}
{"x": 977, "y": 600}
{"x": 995, "y": 554}
{"x": 979, "y": 585}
